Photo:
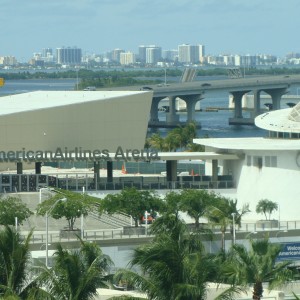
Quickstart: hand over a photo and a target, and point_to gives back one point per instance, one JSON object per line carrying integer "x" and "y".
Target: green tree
{"x": 220, "y": 213}
{"x": 195, "y": 203}
{"x": 15, "y": 282}
{"x": 76, "y": 274}
{"x": 72, "y": 206}
{"x": 131, "y": 202}
{"x": 174, "y": 265}
{"x": 265, "y": 206}
{"x": 11, "y": 208}
{"x": 172, "y": 204}
{"x": 257, "y": 266}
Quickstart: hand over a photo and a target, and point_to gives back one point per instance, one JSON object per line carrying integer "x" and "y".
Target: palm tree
{"x": 220, "y": 214}
{"x": 76, "y": 274}
{"x": 265, "y": 207}
{"x": 15, "y": 266}
{"x": 257, "y": 266}
{"x": 174, "y": 265}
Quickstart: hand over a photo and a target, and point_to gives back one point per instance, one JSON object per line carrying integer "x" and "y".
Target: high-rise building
{"x": 201, "y": 53}
{"x": 149, "y": 56}
{"x": 47, "y": 55}
{"x": 127, "y": 58}
{"x": 170, "y": 55}
{"x": 188, "y": 54}
{"x": 8, "y": 60}
{"x": 116, "y": 54}
{"x": 68, "y": 55}
{"x": 153, "y": 55}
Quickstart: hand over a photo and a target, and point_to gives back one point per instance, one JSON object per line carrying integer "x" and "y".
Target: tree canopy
{"x": 132, "y": 202}
{"x": 67, "y": 204}
{"x": 11, "y": 208}
{"x": 266, "y": 207}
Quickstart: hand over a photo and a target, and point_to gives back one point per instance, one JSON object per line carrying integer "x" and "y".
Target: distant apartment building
{"x": 170, "y": 55}
{"x": 189, "y": 54}
{"x": 116, "y": 55}
{"x": 153, "y": 55}
{"x": 201, "y": 53}
{"x": 68, "y": 55}
{"x": 127, "y": 58}
{"x": 47, "y": 55}
{"x": 150, "y": 54}
{"x": 8, "y": 61}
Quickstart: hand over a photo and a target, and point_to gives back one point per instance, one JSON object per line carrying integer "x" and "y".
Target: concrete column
{"x": 154, "y": 109}
{"x": 276, "y": 95}
{"x": 237, "y": 99}
{"x": 19, "y": 168}
{"x": 191, "y": 102}
{"x": 96, "y": 174}
{"x": 256, "y": 103}
{"x": 171, "y": 167}
{"x": 215, "y": 173}
{"x": 171, "y": 116}
{"x": 109, "y": 166}
{"x": 38, "y": 168}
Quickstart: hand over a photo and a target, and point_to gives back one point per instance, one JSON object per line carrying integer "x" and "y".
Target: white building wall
{"x": 278, "y": 184}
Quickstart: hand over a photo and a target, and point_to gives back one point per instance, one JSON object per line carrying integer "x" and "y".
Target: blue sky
{"x": 97, "y": 26}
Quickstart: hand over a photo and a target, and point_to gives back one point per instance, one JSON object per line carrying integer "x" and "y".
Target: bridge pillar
{"x": 238, "y": 118}
{"x": 154, "y": 109}
{"x": 191, "y": 102}
{"x": 276, "y": 95}
{"x": 237, "y": 99}
{"x": 256, "y": 103}
{"x": 171, "y": 117}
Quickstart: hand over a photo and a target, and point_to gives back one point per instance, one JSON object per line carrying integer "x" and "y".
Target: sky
{"x": 98, "y": 26}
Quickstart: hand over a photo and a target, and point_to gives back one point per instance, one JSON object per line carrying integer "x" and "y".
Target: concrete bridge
{"x": 191, "y": 92}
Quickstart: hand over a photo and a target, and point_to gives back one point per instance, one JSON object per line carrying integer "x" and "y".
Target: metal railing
{"x": 33, "y": 182}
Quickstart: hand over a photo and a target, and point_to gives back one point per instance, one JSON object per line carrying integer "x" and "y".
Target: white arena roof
{"x": 282, "y": 120}
{"x": 47, "y": 99}
{"x": 250, "y": 143}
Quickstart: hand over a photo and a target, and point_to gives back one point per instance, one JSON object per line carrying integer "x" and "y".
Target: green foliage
{"x": 67, "y": 204}
{"x": 14, "y": 266}
{"x": 265, "y": 206}
{"x": 220, "y": 213}
{"x": 257, "y": 266}
{"x": 132, "y": 202}
{"x": 174, "y": 265}
{"x": 76, "y": 274}
{"x": 195, "y": 203}
{"x": 178, "y": 138}
{"x": 11, "y": 208}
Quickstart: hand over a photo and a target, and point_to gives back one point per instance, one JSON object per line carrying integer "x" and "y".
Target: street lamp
{"x": 233, "y": 225}
{"x": 47, "y": 226}
{"x": 41, "y": 191}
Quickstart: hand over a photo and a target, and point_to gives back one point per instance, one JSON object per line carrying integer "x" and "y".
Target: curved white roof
{"x": 282, "y": 120}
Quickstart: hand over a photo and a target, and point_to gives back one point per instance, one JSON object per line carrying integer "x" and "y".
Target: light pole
{"x": 41, "y": 191}
{"x": 165, "y": 76}
{"x": 77, "y": 79}
{"x": 233, "y": 225}
{"x": 47, "y": 226}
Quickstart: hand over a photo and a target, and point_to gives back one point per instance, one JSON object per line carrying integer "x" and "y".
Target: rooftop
{"x": 47, "y": 99}
{"x": 250, "y": 143}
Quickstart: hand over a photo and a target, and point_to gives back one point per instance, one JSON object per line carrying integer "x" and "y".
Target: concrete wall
{"x": 105, "y": 124}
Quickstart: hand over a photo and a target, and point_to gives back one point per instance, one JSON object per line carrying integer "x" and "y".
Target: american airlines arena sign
{"x": 78, "y": 154}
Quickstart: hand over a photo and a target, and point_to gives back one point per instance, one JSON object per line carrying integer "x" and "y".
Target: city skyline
{"x": 98, "y": 26}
